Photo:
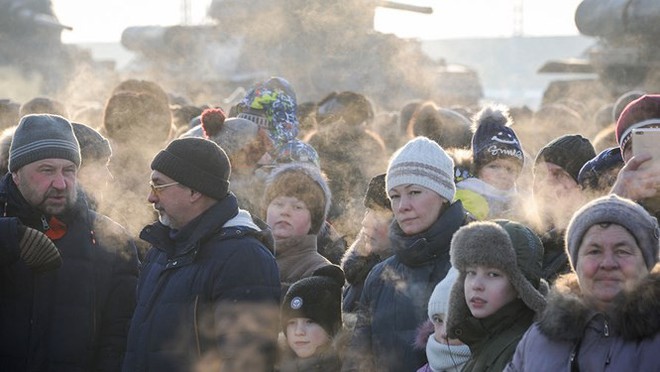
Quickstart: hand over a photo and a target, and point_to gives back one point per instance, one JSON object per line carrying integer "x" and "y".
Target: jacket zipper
{"x": 196, "y": 326}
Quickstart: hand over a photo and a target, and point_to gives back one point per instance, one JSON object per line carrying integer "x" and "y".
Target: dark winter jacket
{"x": 208, "y": 293}
{"x": 555, "y": 260}
{"x": 570, "y": 332}
{"x": 357, "y": 267}
{"x": 330, "y": 243}
{"x": 74, "y": 318}
{"x": 395, "y": 296}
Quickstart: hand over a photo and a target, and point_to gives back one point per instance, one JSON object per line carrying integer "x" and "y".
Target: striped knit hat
{"x": 43, "y": 136}
{"x": 422, "y": 162}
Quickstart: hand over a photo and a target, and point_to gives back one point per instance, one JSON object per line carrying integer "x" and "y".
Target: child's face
{"x": 288, "y": 216}
{"x": 440, "y": 334}
{"x": 487, "y": 290}
{"x": 304, "y": 336}
{"x": 500, "y": 173}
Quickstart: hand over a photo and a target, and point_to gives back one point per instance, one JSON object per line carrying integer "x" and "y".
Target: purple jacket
{"x": 627, "y": 339}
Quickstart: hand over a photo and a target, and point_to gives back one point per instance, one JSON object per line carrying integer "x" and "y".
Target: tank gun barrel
{"x": 617, "y": 18}
{"x": 407, "y": 7}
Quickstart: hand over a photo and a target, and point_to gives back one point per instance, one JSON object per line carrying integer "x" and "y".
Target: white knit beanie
{"x": 439, "y": 300}
{"x": 422, "y": 162}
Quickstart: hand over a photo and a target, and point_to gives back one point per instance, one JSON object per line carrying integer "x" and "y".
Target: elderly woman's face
{"x": 609, "y": 261}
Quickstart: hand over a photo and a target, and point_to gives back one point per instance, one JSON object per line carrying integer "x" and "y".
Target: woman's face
{"x": 487, "y": 290}
{"x": 415, "y": 207}
{"x": 304, "y": 336}
{"x": 609, "y": 260}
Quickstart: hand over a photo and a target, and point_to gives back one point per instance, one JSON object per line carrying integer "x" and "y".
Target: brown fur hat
{"x": 506, "y": 245}
{"x": 305, "y": 182}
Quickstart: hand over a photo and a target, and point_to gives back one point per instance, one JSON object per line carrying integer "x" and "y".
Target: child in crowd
{"x": 498, "y": 291}
{"x": 489, "y": 190}
{"x": 443, "y": 353}
{"x": 311, "y": 323}
{"x": 297, "y": 200}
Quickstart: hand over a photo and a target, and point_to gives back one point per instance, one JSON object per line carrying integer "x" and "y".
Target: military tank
{"x": 319, "y": 46}
{"x": 33, "y": 59}
{"x": 625, "y": 57}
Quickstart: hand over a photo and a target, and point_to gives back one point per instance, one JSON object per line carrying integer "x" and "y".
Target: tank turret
{"x": 319, "y": 46}
{"x": 626, "y": 55}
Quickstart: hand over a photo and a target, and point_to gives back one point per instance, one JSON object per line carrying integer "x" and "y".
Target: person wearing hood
{"x": 498, "y": 292}
{"x": 420, "y": 186}
{"x": 296, "y": 203}
{"x": 209, "y": 289}
{"x": 605, "y": 313}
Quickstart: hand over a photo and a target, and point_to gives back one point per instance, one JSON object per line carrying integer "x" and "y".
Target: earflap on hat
{"x": 505, "y": 245}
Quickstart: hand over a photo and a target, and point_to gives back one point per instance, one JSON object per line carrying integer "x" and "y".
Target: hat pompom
{"x": 496, "y": 115}
{"x": 212, "y": 121}
{"x": 333, "y": 272}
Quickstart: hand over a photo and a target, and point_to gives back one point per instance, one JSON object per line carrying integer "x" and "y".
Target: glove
{"x": 38, "y": 252}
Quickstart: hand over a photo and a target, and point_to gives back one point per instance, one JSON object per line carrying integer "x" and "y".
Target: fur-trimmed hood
{"x": 635, "y": 315}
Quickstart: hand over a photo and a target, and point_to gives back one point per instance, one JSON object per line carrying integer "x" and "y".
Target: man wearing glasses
{"x": 209, "y": 286}
{"x": 75, "y": 317}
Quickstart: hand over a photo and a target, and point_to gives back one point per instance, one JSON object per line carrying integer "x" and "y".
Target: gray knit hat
{"x": 619, "y": 211}
{"x": 43, "y": 136}
{"x": 422, "y": 162}
{"x": 506, "y": 245}
{"x": 197, "y": 163}
{"x": 439, "y": 300}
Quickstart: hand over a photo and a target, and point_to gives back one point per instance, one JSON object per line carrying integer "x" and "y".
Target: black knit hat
{"x": 569, "y": 151}
{"x": 376, "y": 196}
{"x": 506, "y": 245}
{"x": 43, "y": 136}
{"x": 317, "y": 297}
{"x": 494, "y": 138}
{"x": 197, "y": 163}
{"x": 93, "y": 146}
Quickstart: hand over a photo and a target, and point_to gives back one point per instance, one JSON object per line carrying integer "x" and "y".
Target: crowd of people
{"x": 274, "y": 235}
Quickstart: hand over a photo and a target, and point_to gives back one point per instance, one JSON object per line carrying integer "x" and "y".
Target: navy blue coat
{"x": 207, "y": 293}
{"x": 74, "y": 318}
{"x": 394, "y": 300}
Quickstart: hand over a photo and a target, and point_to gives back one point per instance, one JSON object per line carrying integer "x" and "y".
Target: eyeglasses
{"x": 156, "y": 189}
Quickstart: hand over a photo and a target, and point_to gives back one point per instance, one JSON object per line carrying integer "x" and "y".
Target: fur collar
{"x": 635, "y": 315}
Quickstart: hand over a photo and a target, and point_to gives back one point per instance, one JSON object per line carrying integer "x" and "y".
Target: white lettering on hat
{"x": 496, "y": 151}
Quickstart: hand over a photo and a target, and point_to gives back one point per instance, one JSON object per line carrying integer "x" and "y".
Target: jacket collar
{"x": 419, "y": 249}
{"x": 635, "y": 314}
{"x": 177, "y": 243}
